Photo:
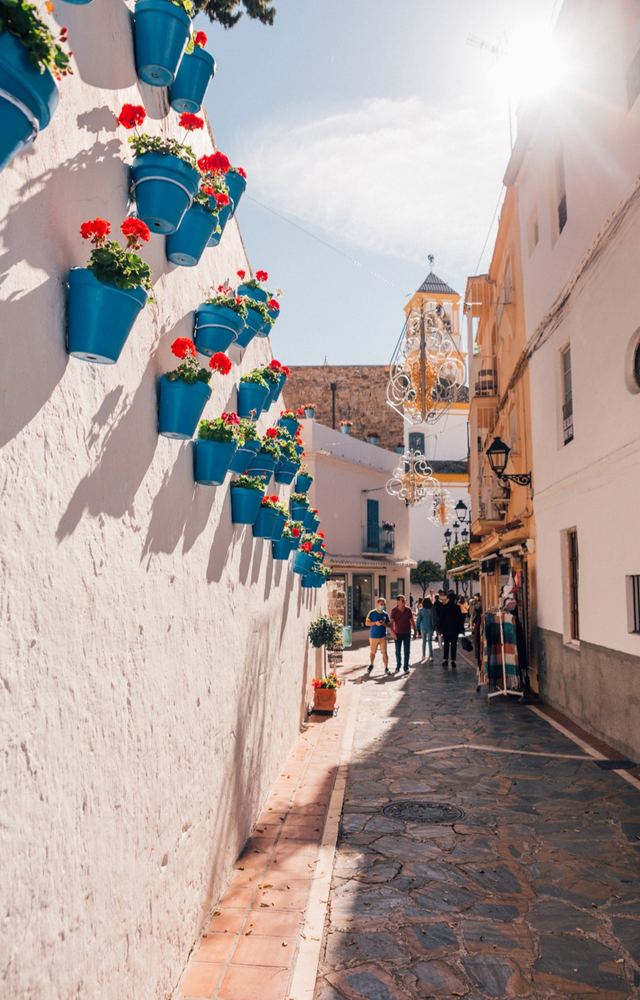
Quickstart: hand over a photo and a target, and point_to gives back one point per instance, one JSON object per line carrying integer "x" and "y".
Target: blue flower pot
{"x": 245, "y": 504}
{"x": 299, "y": 449}
{"x": 257, "y": 294}
{"x": 295, "y": 542}
{"x": 283, "y": 379}
{"x": 224, "y": 215}
{"x": 264, "y": 523}
{"x": 213, "y": 459}
{"x": 282, "y": 548}
{"x": 273, "y": 388}
{"x": 29, "y": 99}
{"x": 289, "y": 425}
{"x": 285, "y": 471}
{"x": 317, "y": 545}
{"x": 278, "y": 528}
{"x": 164, "y": 186}
{"x": 314, "y": 524}
{"x": 187, "y": 245}
{"x": 274, "y": 313}
{"x": 253, "y": 325}
{"x": 194, "y": 75}
{"x": 299, "y": 512}
{"x": 216, "y": 328}
{"x": 303, "y": 483}
{"x": 78, "y": 2}
{"x": 242, "y": 458}
{"x": 309, "y": 581}
{"x": 251, "y": 397}
{"x": 236, "y": 184}
{"x": 100, "y": 317}
{"x": 309, "y": 520}
{"x": 262, "y": 465}
{"x": 181, "y": 407}
{"x": 303, "y": 563}
{"x": 161, "y": 33}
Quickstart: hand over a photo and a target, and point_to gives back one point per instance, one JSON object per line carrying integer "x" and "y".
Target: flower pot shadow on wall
{"x": 28, "y": 98}
{"x": 195, "y": 73}
{"x": 251, "y": 396}
{"x": 181, "y": 407}
{"x": 164, "y": 186}
{"x": 264, "y": 523}
{"x": 242, "y": 458}
{"x": 282, "y": 548}
{"x": 186, "y": 246}
{"x": 100, "y": 317}
{"x": 213, "y": 459}
{"x": 162, "y": 31}
{"x": 245, "y": 504}
{"x": 254, "y": 324}
{"x": 224, "y": 215}
{"x": 216, "y": 328}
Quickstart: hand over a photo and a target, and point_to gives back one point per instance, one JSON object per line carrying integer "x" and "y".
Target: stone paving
{"x": 533, "y": 892}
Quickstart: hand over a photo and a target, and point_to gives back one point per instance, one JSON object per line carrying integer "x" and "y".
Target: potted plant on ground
{"x": 31, "y": 61}
{"x": 325, "y": 693}
{"x": 200, "y": 223}
{"x": 246, "y": 496}
{"x": 309, "y": 410}
{"x": 195, "y": 72}
{"x": 289, "y": 462}
{"x": 325, "y": 633}
{"x": 216, "y": 445}
{"x": 248, "y": 446}
{"x": 271, "y": 518}
{"x": 304, "y": 480}
{"x": 164, "y": 173}
{"x": 219, "y": 320}
{"x": 267, "y": 457}
{"x": 288, "y": 541}
{"x": 374, "y": 437}
{"x": 345, "y": 426}
{"x": 106, "y": 296}
{"x": 299, "y": 505}
{"x": 252, "y": 393}
{"x": 185, "y": 391}
{"x": 162, "y": 30}
{"x": 289, "y": 420}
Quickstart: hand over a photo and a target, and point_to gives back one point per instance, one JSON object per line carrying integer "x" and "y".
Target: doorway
{"x": 362, "y": 598}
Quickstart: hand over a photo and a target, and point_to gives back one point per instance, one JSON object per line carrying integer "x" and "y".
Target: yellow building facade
{"x": 502, "y": 524}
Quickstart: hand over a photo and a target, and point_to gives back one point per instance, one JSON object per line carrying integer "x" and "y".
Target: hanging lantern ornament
{"x": 413, "y": 480}
{"x": 443, "y": 509}
{"x": 427, "y": 372}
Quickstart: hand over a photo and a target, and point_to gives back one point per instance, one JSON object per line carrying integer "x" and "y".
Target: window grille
{"x": 574, "y": 616}
{"x": 567, "y": 391}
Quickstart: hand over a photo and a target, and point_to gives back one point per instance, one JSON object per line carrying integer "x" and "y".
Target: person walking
{"x": 451, "y": 625}
{"x": 402, "y": 618}
{"x": 426, "y": 627}
{"x": 378, "y": 622}
{"x": 419, "y": 604}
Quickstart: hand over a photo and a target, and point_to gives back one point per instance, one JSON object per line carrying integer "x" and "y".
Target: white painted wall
{"x": 153, "y": 658}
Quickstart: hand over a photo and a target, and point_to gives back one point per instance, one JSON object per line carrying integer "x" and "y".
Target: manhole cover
{"x": 616, "y": 765}
{"x": 422, "y": 812}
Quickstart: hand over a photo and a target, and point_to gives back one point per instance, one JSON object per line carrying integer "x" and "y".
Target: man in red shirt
{"x": 403, "y": 624}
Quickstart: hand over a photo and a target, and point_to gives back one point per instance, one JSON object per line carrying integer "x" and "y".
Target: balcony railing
{"x": 376, "y": 538}
{"x": 486, "y": 383}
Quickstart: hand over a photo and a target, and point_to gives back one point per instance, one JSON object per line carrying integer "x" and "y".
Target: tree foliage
{"x": 427, "y": 571}
{"x": 225, "y": 11}
{"x": 458, "y": 555}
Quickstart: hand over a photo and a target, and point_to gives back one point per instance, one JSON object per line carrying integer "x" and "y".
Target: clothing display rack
{"x": 515, "y": 689}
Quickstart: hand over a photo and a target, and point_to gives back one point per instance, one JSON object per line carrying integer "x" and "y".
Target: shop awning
{"x": 460, "y": 570}
{"x": 496, "y": 541}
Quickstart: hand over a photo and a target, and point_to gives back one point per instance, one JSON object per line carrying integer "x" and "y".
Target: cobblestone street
{"x": 533, "y": 891}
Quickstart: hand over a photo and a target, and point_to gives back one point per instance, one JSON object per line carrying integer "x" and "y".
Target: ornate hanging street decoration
{"x": 413, "y": 480}
{"x": 427, "y": 372}
{"x": 443, "y": 510}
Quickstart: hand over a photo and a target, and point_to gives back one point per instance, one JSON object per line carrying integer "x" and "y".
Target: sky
{"x": 373, "y": 134}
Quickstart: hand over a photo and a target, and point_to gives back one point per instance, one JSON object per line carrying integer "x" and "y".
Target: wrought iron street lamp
{"x": 462, "y": 511}
{"x": 448, "y": 534}
{"x": 498, "y": 455}
{"x": 464, "y": 534}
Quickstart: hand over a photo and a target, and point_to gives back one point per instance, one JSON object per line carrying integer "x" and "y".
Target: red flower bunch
{"x": 200, "y": 39}
{"x": 222, "y": 289}
{"x": 240, "y": 171}
{"x": 287, "y": 371}
{"x": 215, "y": 163}
{"x": 241, "y": 274}
{"x": 230, "y": 418}
{"x": 182, "y": 347}
{"x": 275, "y": 364}
{"x": 306, "y": 547}
{"x": 314, "y": 510}
{"x": 137, "y": 233}
{"x": 295, "y": 532}
{"x": 96, "y": 231}
{"x": 131, "y": 115}
{"x": 273, "y": 304}
{"x": 300, "y": 411}
{"x": 190, "y": 122}
{"x": 271, "y": 433}
{"x": 322, "y": 545}
{"x": 220, "y": 363}
{"x": 320, "y": 534}
{"x": 222, "y": 199}
{"x": 262, "y": 276}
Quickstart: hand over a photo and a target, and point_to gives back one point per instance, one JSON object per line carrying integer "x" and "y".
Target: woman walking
{"x": 451, "y": 624}
{"x": 426, "y": 626}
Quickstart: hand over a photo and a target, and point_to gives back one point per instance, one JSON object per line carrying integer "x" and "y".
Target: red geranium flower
{"x": 273, "y": 304}
{"x": 182, "y": 347}
{"x": 275, "y": 365}
{"x": 231, "y": 418}
{"x": 322, "y": 545}
{"x": 287, "y": 371}
{"x": 295, "y": 532}
{"x": 190, "y": 122}
{"x": 306, "y": 547}
{"x": 222, "y": 199}
{"x": 271, "y": 433}
{"x": 300, "y": 411}
{"x": 200, "y": 39}
{"x": 321, "y": 534}
{"x": 262, "y": 276}
{"x": 209, "y": 191}
{"x": 220, "y": 363}
{"x": 241, "y": 274}
{"x": 215, "y": 163}
{"x": 96, "y": 231}
{"x": 131, "y": 115}
{"x": 240, "y": 171}
{"x": 239, "y": 299}
{"x": 136, "y": 231}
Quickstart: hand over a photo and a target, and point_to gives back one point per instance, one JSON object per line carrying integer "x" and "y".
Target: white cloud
{"x": 390, "y": 176}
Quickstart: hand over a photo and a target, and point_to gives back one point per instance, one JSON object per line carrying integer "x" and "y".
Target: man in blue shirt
{"x": 378, "y": 622}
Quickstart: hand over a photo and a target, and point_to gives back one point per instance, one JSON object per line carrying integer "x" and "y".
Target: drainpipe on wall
{"x": 333, "y": 386}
